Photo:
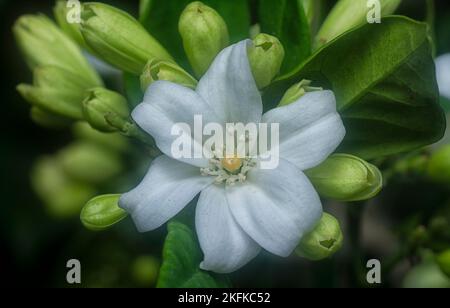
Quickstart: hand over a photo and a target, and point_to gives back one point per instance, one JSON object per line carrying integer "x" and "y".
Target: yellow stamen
{"x": 231, "y": 164}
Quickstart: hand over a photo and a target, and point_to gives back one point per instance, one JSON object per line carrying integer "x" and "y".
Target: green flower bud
{"x": 44, "y": 44}
{"x": 118, "y": 38}
{"x": 438, "y": 168}
{"x": 102, "y": 212}
{"x": 204, "y": 35}
{"x": 73, "y": 30}
{"x": 346, "y": 178}
{"x": 426, "y": 275}
{"x": 295, "y": 92}
{"x": 164, "y": 70}
{"x": 112, "y": 141}
{"x": 145, "y": 270}
{"x": 89, "y": 163}
{"x": 101, "y": 102}
{"x": 47, "y": 119}
{"x": 62, "y": 196}
{"x": 56, "y": 90}
{"x": 265, "y": 56}
{"x": 348, "y": 14}
{"x": 443, "y": 260}
{"x": 322, "y": 242}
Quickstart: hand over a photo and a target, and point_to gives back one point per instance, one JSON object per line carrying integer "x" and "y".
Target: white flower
{"x": 443, "y": 75}
{"x": 271, "y": 209}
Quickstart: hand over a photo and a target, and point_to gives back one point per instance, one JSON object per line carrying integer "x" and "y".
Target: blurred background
{"x": 36, "y": 242}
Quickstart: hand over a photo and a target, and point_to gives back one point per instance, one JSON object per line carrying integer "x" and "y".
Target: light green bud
{"x": 47, "y": 119}
{"x": 62, "y": 196}
{"x": 145, "y": 270}
{"x": 426, "y": 275}
{"x": 322, "y": 242}
{"x": 438, "y": 168}
{"x": 296, "y": 91}
{"x": 101, "y": 102}
{"x": 348, "y": 14}
{"x": 163, "y": 70}
{"x": 56, "y": 90}
{"x": 443, "y": 260}
{"x": 265, "y": 57}
{"x": 89, "y": 163}
{"x": 111, "y": 141}
{"x": 345, "y": 177}
{"x": 44, "y": 44}
{"x": 102, "y": 212}
{"x": 204, "y": 35}
{"x": 73, "y": 30}
{"x": 118, "y": 38}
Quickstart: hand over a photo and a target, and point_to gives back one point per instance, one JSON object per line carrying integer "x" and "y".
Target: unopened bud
{"x": 47, "y": 119}
{"x": 345, "y": 177}
{"x": 90, "y": 163}
{"x": 348, "y": 14}
{"x": 101, "y": 102}
{"x": 164, "y": 70}
{"x": 102, "y": 212}
{"x": 204, "y": 35}
{"x": 322, "y": 242}
{"x": 265, "y": 56}
{"x": 295, "y": 92}
{"x": 43, "y": 44}
{"x": 118, "y": 38}
{"x": 62, "y": 196}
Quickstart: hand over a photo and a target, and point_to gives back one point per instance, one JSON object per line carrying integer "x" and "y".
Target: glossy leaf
{"x": 181, "y": 259}
{"x": 384, "y": 80}
{"x": 286, "y": 19}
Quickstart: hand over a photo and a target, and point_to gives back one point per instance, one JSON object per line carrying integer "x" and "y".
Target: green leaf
{"x": 160, "y": 18}
{"x": 181, "y": 259}
{"x": 286, "y": 19}
{"x": 384, "y": 80}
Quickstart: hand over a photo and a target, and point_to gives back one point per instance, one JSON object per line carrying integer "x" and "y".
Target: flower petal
{"x": 276, "y": 207}
{"x": 166, "y": 189}
{"x": 167, "y": 104}
{"x": 443, "y": 75}
{"x": 225, "y": 245}
{"x": 310, "y": 129}
{"x": 229, "y": 87}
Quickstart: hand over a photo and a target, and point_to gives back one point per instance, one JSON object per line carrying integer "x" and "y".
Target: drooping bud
{"x": 443, "y": 260}
{"x": 102, "y": 212}
{"x": 164, "y": 70}
{"x": 101, "y": 102}
{"x": 204, "y": 35}
{"x": 62, "y": 196}
{"x": 322, "y": 242}
{"x": 56, "y": 90}
{"x": 89, "y": 163}
{"x": 348, "y": 14}
{"x": 296, "y": 91}
{"x": 345, "y": 177}
{"x": 438, "y": 168}
{"x": 118, "y": 38}
{"x": 265, "y": 56}
{"x": 47, "y": 119}
{"x": 44, "y": 44}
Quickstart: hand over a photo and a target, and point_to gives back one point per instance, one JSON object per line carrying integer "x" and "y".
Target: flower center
{"x": 230, "y": 170}
{"x": 232, "y": 164}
